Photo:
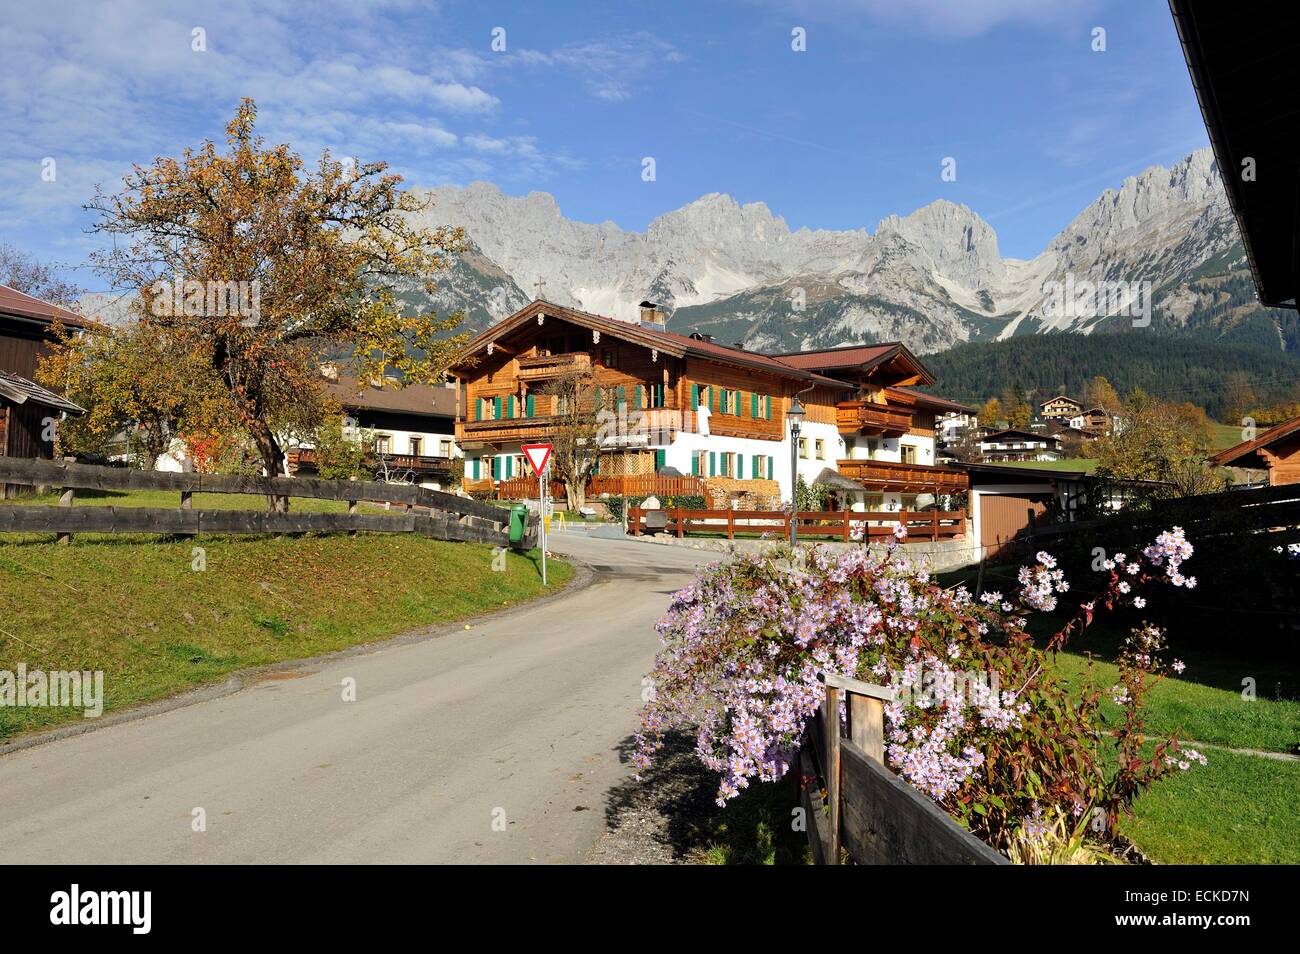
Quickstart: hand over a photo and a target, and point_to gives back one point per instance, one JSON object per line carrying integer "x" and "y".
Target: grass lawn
{"x": 1084, "y": 464}
{"x": 135, "y": 608}
{"x": 1224, "y": 436}
{"x": 1240, "y": 808}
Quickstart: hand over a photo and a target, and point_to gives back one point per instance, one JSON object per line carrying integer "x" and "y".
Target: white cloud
{"x": 962, "y": 18}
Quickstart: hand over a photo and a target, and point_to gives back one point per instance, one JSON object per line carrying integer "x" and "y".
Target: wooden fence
{"x": 636, "y": 485}
{"x": 428, "y": 512}
{"x": 812, "y": 524}
{"x": 868, "y": 811}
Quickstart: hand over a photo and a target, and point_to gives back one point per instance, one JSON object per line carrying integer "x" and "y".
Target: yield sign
{"x": 538, "y": 455}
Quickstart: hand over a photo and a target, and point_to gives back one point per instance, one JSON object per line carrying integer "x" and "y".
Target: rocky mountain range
{"x": 1162, "y": 251}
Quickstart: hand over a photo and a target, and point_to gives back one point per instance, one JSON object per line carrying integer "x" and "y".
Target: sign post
{"x": 539, "y": 458}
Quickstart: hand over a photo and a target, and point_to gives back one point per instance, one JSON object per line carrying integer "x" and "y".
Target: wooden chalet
{"x": 695, "y": 407}
{"x": 1275, "y": 451}
{"x": 26, "y": 331}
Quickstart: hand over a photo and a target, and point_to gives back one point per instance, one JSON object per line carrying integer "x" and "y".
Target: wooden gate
{"x": 1002, "y": 516}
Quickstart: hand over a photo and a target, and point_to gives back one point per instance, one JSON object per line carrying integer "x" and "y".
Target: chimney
{"x": 652, "y": 316}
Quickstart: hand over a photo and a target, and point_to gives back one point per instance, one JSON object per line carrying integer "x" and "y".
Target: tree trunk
{"x": 272, "y": 461}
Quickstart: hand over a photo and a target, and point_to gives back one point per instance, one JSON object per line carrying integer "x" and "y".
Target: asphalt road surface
{"x": 496, "y": 744}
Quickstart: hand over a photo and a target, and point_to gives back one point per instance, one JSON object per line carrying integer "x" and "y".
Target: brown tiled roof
{"x": 853, "y": 356}
{"x": 14, "y": 302}
{"x": 930, "y": 400}
{"x": 412, "y": 399}
{"x": 19, "y": 390}
{"x": 1245, "y": 448}
{"x": 669, "y": 342}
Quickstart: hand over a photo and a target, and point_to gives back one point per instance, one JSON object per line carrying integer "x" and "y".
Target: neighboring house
{"x": 412, "y": 429}
{"x": 1276, "y": 451}
{"x": 1092, "y": 423}
{"x": 1060, "y": 408}
{"x": 688, "y": 404}
{"x": 952, "y": 425}
{"x": 27, "y": 410}
{"x": 1013, "y": 445}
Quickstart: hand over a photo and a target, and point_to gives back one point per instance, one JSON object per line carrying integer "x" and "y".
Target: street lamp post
{"x": 795, "y": 414}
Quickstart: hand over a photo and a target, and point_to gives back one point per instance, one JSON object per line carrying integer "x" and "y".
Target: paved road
{"x": 522, "y": 718}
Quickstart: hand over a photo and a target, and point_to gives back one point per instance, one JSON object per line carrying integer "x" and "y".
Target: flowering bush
{"x": 979, "y": 725}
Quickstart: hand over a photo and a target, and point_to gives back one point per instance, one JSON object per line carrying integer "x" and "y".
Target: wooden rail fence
{"x": 869, "y": 812}
{"x": 636, "y": 485}
{"x": 931, "y": 525}
{"x": 428, "y": 512}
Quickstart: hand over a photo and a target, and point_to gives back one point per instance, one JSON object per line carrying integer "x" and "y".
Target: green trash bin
{"x": 518, "y": 524}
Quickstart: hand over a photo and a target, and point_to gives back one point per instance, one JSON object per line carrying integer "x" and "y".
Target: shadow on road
{"x": 670, "y": 816}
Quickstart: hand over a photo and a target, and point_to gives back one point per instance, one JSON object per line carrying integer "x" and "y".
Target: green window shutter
{"x": 510, "y": 406}
{"x": 713, "y": 464}
{"x": 636, "y": 397}
{"x": 530, "y": 406}
{"x": 621, "y": 398}
{"x": 595, "y": 467}
{"x": 767, "y": 407}
{"x": 496, "y": 468}
{"x": 695, "y": 463}
{"x": 478, "y": 409}
{"x": 769, "y": 468}
{"x": 496, "y": 408}
{"x": 753, "y": 405}
{"x": 510, "y": 467}
{"x": 695, "y": 397}
{"x": 661, "y": 459}
{"x": 476, "y": 471}
{"x": 740, "y": 466}
{"x": 599, "y": 398}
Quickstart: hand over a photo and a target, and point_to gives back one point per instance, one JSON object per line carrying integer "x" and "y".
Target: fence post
{"x": 65, "y": 500}
{"x": 934, "y": 525}
{"x": 846, "y": 527}
{"x": 352, "y": 509}
{"x": 634, "y": 520}
{"x": 187, "y": 503}
{"x": 679, "y": 523}
{"x": 731, "y": 524}
{"x": 867, "y": 725}
{"x": 831, "y": 727}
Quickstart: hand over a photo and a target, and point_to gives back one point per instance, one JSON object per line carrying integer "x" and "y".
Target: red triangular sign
{"x": 538, "y": 455}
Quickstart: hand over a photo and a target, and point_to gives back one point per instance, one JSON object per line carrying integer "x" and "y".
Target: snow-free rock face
{"x": 933, "y": 278}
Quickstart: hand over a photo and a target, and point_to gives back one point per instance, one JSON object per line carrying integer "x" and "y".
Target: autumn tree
{"x": 1239, "y": 396}
{"x": 1160, "y": 441}
{"x": 579, "y": 428}
{"x": 1098, "y": 392}
{"x": 22, "y": 272}
{"x": 1016, "y": 407}
{"x": 138, "y": 381}
{"x": 990, "y": 413}
{"x": 263, "y": 268}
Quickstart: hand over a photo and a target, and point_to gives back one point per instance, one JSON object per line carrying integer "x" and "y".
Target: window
{"x": 803, "y": 447}
{"x": 820, "y": 450}
{"x": 383, "y": 444}
{"x": 657, "y": 398}
{"x": 908, "y": 453}
{"x": 728, "y": 463}
{"x": 609, "y": 358}
{"x": 417, "y": 446}
{"x": 445, "y": 449}
{"x": 699, "y": 463}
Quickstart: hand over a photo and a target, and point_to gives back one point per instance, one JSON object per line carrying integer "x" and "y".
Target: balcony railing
{"x": 540, "y": 367}
{"x": 906, "y": 478}
{"x": 397, "y": 463}
{"x": 874, "y": 420}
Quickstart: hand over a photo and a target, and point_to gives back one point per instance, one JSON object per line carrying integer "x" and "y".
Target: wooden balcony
{"x": 541, "y": 367}
{"x": 871, "y": 419}
{"x": 304, "y": 459}
{"x": 886, "y": 475}
{"x": 505, "y": 429}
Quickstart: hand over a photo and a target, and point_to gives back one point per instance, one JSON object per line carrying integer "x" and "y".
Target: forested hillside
{"x": 1204, "y": 372}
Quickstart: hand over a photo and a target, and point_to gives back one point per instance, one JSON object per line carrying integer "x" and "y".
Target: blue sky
{"x": 840, "y": 135}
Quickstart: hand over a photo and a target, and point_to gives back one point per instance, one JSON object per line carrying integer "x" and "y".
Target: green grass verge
{"x": 136, "y": 608}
